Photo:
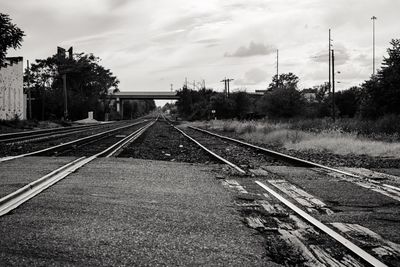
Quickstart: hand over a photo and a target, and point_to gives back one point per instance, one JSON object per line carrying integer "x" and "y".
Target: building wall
{"x": 12, "y": 100}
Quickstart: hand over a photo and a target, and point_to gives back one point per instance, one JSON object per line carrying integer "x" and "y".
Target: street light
{"x": 373, "y": 44}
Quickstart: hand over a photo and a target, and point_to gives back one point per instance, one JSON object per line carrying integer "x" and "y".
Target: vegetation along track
{"x": 18, "y": 197}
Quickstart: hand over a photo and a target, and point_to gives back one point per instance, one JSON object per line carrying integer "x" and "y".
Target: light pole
{"x": 373, "y": 44}
{"x": 333, "y": 85}
{"x": 277, "y": 68}
{"x": 329, "y": 54}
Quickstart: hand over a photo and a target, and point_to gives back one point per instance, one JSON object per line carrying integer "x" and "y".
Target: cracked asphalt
{"x": 130, "y": 212}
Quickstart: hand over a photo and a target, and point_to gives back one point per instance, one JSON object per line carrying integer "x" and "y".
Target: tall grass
{"x": 342, "y": 138}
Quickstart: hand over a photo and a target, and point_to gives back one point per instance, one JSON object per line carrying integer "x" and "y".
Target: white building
{"x": 12, "y": 98}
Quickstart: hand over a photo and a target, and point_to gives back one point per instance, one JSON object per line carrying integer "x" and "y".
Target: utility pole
{"x": 225, "y": 89}
{"x": 172, "y": 89}
{"x": 29, "y": 90}
{"x": 373, "y": 45}
{"x": 61, "y": 56}
{"x": 186, "y": 82}
{"x": 333, "y": 85}
{"x": 64, "y": 77}
{"x": 226, "y": 83}
{"x": 329, "y": 53}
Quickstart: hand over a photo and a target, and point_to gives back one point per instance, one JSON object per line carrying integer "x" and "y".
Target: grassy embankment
{"x": 373, "y": 138}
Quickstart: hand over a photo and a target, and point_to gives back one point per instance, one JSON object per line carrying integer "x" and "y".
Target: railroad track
{"x": 43, "y": 134}
{"x": 273, "y": 157}
{"x": 261, "y": 200}
{"x": 60, "y": 149}
{"x": 277, "y": 203}
{"x": 15, "y": 199}
{"x": 25, "y": 144}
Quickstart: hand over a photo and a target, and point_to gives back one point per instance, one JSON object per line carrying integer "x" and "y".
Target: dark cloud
{"x": 253, "y": 49}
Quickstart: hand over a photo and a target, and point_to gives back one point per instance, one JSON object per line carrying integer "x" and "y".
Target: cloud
{"x": 196, "y": 21}
{"x": 118, "y": 3}
{"x": 253, "y": 49}
{"x": 341, "y": 55}
{"x": 208, "y": 41}
{"x": 252, "y": 77}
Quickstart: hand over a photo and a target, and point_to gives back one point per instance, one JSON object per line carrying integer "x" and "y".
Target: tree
{"x": 282, "y": 99}
{"x": 88, "y": 83}
{"x": 224, "y": 107}
{"x": 10, "y": 36}
{"x": 194, "y": 105}
{"x": 243, "y": 104}
{"x": 285, "y": 80}
{"x": 381, "y": 94}
{"x": 348, "y": 101}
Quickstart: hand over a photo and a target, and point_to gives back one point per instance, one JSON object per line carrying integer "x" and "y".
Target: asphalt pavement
{"x": 131, "y": 212}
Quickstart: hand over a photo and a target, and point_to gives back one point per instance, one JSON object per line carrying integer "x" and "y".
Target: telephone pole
{"x": 64, "y": 78}
{"x": 226, "y": 83}
{"x": 29, "y": 90}
{"x": 61, "y": 56}
{"x": 373, "y": 44}
{"x": 333, "y": 85}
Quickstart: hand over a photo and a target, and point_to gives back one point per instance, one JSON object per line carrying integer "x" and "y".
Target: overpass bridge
{"x": 141, "y": 95}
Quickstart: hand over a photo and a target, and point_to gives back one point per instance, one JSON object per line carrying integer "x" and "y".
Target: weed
{"x": 345, "y": 137}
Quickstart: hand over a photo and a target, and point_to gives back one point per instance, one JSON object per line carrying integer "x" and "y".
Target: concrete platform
{"x": 130, "y": 212}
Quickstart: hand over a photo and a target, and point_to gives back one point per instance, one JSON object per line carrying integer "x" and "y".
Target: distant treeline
{"x": 88, "y": 85}
{"x": 376, "y": 97}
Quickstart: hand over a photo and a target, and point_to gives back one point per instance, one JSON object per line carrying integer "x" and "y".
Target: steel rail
{"x": 47, "y": 135}
{"x": 275, "y": 153}
{"x": 322, "y": 227}
{"x": 40, "y": 131}
{"x": 15, "y": 199}
{"x": 132, "y": 138}
{"x": 310, "y": 163}
{"x": 68, "y": 143}
{"x": 209, "y": 151}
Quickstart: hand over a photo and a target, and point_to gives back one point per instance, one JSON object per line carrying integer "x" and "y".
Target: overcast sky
{"x": 151, "y": 44}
